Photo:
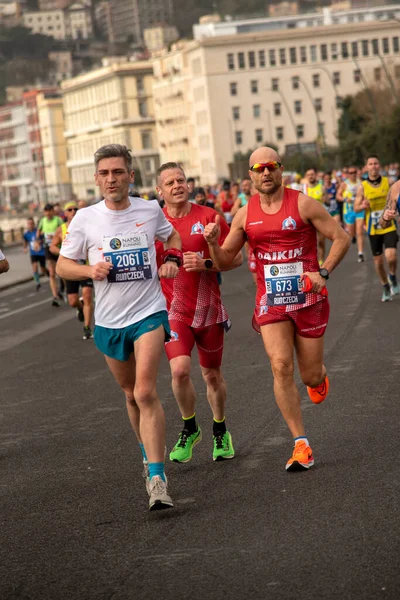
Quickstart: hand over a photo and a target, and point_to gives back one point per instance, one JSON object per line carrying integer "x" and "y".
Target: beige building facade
{"x": 113, "y": 104}
{"x": 54, "y": 147}
{"x": 223, "y": 95}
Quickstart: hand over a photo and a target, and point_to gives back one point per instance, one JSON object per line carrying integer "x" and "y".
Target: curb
{"x": 7, "y": 286}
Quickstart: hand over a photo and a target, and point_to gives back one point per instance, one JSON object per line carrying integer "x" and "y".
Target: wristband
{"x": 172, "y": 255}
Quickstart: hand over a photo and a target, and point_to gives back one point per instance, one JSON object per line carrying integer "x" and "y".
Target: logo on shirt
{"x": 263, "y": 311}
{"x": 274, "y": 270}
{"x": 289, "y": 223}
{"x": 140, "y": 224}
{"x": 255, "y": 223}
{"x": 197, "y": 229}
{"x": 115, "y": 244}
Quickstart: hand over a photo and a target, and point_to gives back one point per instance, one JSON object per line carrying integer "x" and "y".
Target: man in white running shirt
{"x": 117, "y": 238}
{"x": 4, "y": 266}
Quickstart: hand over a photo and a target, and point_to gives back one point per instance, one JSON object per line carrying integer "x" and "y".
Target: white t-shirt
{"x": 2, "y": 257}
{"x": 125, "y": 238}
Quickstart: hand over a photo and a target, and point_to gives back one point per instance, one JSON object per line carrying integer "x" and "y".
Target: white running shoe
{"x": 158, "y": 492}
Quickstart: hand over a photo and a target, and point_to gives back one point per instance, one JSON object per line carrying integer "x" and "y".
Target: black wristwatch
{"x": 324, "y": 273}
{"x": 208, "y": 263}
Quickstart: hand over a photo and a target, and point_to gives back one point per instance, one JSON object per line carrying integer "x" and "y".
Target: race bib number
{"x": 283, "y": 284}
{"x": 375, "y": 216}
{"x": 130, "y": 257}
{"x": 48, "y": 237}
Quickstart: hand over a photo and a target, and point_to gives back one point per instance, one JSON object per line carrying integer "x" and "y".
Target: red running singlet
{"x": 284, "y": 247}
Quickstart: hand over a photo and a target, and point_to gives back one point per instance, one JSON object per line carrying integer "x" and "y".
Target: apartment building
{"x": 218, "y": 96}
{"x": 74, "y": 22}
{"x": 113, "y": 104}
{"x": 129, "y": 18}
{"x": 54, "y": 147}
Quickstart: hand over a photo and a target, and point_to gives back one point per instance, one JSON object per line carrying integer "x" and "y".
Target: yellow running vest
{"x": 64, "y": 231}
{"x": 316, "y": 192}
{"x": 376, "y": 197}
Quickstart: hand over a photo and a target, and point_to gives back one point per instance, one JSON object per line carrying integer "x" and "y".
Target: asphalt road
{"x": 74, "y": 518}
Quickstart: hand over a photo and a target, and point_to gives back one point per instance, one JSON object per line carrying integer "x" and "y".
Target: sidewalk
{"x": 20, "y": 268}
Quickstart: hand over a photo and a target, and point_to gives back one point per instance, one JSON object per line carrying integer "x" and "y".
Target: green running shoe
{"x": 182, "y": 451}
{"x": 223, "y": 447}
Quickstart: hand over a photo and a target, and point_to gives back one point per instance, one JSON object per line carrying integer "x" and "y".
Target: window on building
{"x": 316, "y": 80}
{"x": 318, "y": 104}
{"x": 254, "y": 86}
{"x": 256, "y": 111}
{"x": 147, "y": 142}
{"x": 282, "y": 56}
{"x": 357, "y": 75}
{"x": 365, "y": 47}
{"x": 385, "y": 45}
{"x": 272, "y": 58}
{"x": 275, "y": 84}
{"x": 259, "y": 136}
{"x": 143, "y": 108}
{"x": 397, "y": 71}
{"x": 293, "y": 56}
{"x": 321, "y": 129}
{"x": 354, "y": 49}
{"x": 375, "y": 47}
{"x": 345, "y": 50}
{"x": 313, "y": 53}
{"x": 239, "y": 137}
{"x": 261, "y": 58}
{"x": 241, "y": 60}
{"x": 334, "y": 51}
{"x": 303, "y": 54}
{"x": 236, "y": 113}
{"x": 396, "y": 44}
{"x": 300, "y": 131}
{"x": 279, "y": 133}
{"x": 336, "y": 77}
{"x": 233, "y": 88}
{"x": 377, "y": 74}
{"x": 324, "y": 51}
{"x": 297, "y": 107}
{"x": 252, "y": 59}
{"x": 139, "y": 84}
{"x": 277, "y": 109}
{"x": 295, "y": 82}
{"x": 231, "y": 61}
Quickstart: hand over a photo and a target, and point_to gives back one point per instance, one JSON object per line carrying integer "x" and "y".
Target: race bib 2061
{"x": 129, "y": 255}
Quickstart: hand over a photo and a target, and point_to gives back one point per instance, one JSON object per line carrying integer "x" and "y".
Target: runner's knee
{"x": 282, "y": 369}
{"x": 180, "y": 373}
{"x": 212, "y": 377}
{"x": 145, "y": 394}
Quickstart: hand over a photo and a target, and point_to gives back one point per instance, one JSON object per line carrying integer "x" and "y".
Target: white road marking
{"x": 24, "y": 308}
{"x": 15, "y": 339}
{"x": 2, "y": 310}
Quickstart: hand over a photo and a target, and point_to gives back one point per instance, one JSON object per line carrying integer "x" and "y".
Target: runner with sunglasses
{"x": 281, "y": 226}
{"x": 354, "y": 221}
{"x": 84, "y": 304}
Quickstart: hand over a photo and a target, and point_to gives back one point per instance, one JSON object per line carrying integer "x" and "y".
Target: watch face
{"x": 324, "y": 273}
{"x": 208, "y": 263}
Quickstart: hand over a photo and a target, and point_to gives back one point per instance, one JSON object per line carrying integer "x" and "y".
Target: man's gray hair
{"x": 113, "y": 151}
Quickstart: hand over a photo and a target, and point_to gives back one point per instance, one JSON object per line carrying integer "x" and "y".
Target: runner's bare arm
{"x": 340, "y": 192}
{"x": 235, "y": 208}
{"x": 391, "y": 205}
{"x": 4, "y": 266}
{"x": 223, "y": 256}
{"x": 56, "y": 242}
{"x": 360, "y": 202}
{"x": 312, "y": 212}
{"x": 69, "y": 269}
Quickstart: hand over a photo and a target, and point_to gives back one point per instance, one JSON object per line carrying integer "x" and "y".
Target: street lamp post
{"x": 278, "y": 91}
{"x": 320, "y": 132}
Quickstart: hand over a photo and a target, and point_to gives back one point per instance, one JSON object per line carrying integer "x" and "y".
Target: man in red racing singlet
{"x": 196, "y": 315}
{"x": 292, "y": 308}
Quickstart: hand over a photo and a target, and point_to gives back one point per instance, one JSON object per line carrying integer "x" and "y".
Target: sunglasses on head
{"x": 71, "y": 209}
{"x": 260, "y": 167}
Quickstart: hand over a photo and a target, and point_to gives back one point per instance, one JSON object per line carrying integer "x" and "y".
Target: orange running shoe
{"x": 319, "y": 393}
{"x": 302, "y": 458}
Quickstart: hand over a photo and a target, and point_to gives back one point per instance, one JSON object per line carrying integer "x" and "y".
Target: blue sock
{"x": 36, "y": 277}
{"x": 301, "y": 438}
{"x": 156, "y": 469}
{"x": 143, "y": 452}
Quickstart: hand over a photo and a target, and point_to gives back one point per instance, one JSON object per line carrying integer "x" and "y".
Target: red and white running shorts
{"x": 209, "y": 342}
{"x": 309, "y": 322}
